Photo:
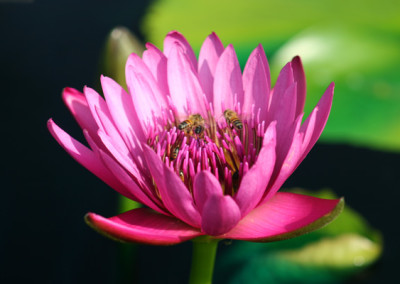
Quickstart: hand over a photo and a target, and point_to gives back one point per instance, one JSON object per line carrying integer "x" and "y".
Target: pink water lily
{"x": 216, "y": 175}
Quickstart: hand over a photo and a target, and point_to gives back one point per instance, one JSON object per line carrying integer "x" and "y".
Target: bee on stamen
{"x": 232, "y": 118}
{"x": 194, "y": 122}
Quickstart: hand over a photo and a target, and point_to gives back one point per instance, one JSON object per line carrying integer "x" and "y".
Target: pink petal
{"x": 204, "y": 185}
{"x": 142, "y": 193}
{"x": 76, "y": 103}
{"x": 174, "y": 37}
{"x": 285, "y": 79}
{"x": 124, "y": 116}
{"x": 102, "y": 116}
{"x": 284, "y": 216}
{"x": 125, "y": 159}
{"x": 255, "y": 181}
{"x": 323, "y": 109}
{"x": 174, "y": 194}
{"x": 210, "y": 52}
{"x": 289, "y": 165}
{"x": 148, "y": 101}
{"x": 257, "y": 83}
{"x": 220, "y": 214}
{"x": 186, "y": 92}
{"x": 85, "y": 157}
{"x": 157, "y": 64}
{"x": 143, "y": 225}
{"x": 300, "y": 79}
{"x": 227, "y": 82}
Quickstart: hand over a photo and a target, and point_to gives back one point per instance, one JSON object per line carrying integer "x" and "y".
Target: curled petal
{"x": 143, "y": 225}
{"x": 285, "y": 216}
{"x": 220, "y": 214}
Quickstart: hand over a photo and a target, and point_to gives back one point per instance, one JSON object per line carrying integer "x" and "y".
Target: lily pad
{"x": 340, "y": 250}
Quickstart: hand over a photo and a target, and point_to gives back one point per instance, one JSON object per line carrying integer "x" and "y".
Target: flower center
{"x": 226, "y": 146}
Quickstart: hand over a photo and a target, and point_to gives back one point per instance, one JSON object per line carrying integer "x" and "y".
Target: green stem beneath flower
{"x": 203, "y": 259}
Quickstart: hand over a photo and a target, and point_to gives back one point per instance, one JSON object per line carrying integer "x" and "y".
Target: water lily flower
{"x": 204, "y": 147}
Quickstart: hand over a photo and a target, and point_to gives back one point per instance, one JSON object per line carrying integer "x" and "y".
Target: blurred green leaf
{"x": 342, "y": 249}
{"x": 119, "y": 45}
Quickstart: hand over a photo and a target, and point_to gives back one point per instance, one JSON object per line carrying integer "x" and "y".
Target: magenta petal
{"x": 300, "y": 79}
{"x": 85, "y": 157}
{"x": 125, "y": 118}
{"x": 76, "y": 103}
{"x": 256, "y": 83}
{"x": 176, "y": 37}
{"x": 255, "y": 181}
{"x": 143, "y": 225}
{"x": 147, "y": 99}
{"x": 228, "y": 85}
{"x": 174, "y": 194}
{"x": 141, "y": 194}
{"x": 220, "y": 214}
{"x": 186, "y": 92}
{"x": 102, "y": 116}
{"x": 204, "y": 185}
{"x": 157, "y": 64}
{"x": 284, "y": 216}
{"x": 210, "y": 52}
{"x": 323, "y": 109}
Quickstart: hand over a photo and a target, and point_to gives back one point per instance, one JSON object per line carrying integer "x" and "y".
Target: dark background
{"x": 47, "y": 45}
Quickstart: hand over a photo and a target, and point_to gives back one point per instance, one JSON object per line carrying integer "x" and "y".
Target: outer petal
{"x": 76, "y": 103}
{"x": 141, "y": 194}
{"x": 85, "y": 157}
{"x": 157, "y": 64}
{"x": 256, "y": 83}
{"x": 143, "y": 225}
{"x": 220, "y": 215}
{"x": 186, "y": 92}
{"x": 210, "y": 52}
{"x": 227, "y": 82}
{"x": 205, "y": 184}
{"x": 174, "y": 194}
{"x": 300, "y": 79}
{"x": 148, "y": 100}
{"x": 174, "y": 37}
{"x": 254, "y": 183}
{"x": 323, "y": 109}
{"x": 285, "y": 216}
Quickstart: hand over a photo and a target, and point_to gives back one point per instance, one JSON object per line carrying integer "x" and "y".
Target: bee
{"x": 194, "y": 122}
{"x": 174, "y": 153}
{"x": 232, "y": 118}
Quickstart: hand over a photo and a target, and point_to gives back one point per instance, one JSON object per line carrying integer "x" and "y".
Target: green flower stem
{"x": 203, "y": 259}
